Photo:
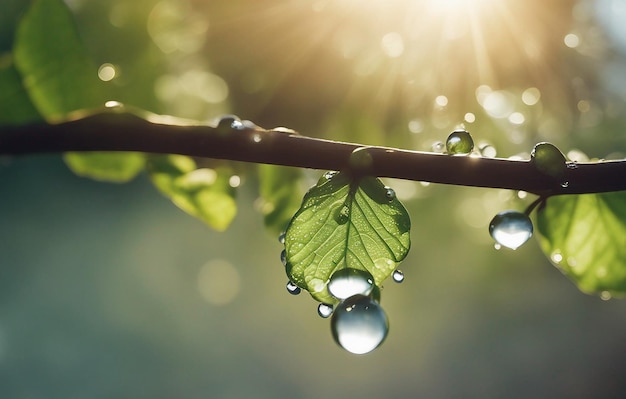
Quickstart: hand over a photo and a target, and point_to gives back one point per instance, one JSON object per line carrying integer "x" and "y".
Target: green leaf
{"x": 204, "y": 193}
{"x": 345, "y": 223}
{"x": 55, "y": 67}
{"x": 280, "y": 193}
{"x": 585, "y": 237}
{"x": 115, "y": 167}
{"x": 15, "y": 105}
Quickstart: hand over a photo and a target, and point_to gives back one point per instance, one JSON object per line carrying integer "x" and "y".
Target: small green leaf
{"x": 280, "y": 193}
{"x": 115, "y": 167}
{"x": 585, "y": 237}
{"x": 55, "y": 67}
{"x": 345, "y": 223}
{"x": 204, "y": 193}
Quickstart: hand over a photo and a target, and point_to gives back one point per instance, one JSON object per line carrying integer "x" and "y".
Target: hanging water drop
{"x": 459, "y": 142}
{"x": 398, "y": 276}
{"x": 565, "y": 184}
{"x": 281, "y": 237}
{"x": 345, "y": 283}
{"x": 342, "y": 215}
{"x": 359, "y": 325}
{"x": 511, "y": 229}
{"x": 292, "y": 288}
{"x": 324, "y": 310}
{"x": 390, "y": 194}
{"x": 283, "y": 257}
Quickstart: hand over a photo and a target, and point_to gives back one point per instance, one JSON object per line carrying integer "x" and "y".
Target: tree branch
{"x": 120, "y": 131}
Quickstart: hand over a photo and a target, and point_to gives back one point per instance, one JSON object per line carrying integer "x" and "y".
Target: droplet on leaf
{"x": 292, "y": 288}
{"x": 511, "y": 229}
{"x": 359, "y": 325}
{"x": 398, "y": 276}
{"x": 345, "y": 283}
{"x": 342, "y": 214}
{"x": 390, "y": 194}
{"x": 281, "y": 237}
{"x": 459, "y": 142}
{"x": 283, "y": 257}
{"x": 324, "y": 310}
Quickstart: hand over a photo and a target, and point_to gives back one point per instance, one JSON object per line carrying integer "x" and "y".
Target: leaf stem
{"x": 124, "y": 131}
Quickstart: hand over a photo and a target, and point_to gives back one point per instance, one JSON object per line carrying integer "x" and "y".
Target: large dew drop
{"x": 292, "y": 288}
{"x": 345, "y": 283}
{"x": 511, "y": 229}
{"x": 359, "y": 325}
{"x": 459, "y": 142}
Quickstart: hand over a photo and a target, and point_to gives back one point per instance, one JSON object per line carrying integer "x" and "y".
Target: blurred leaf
{"x": 345, "y": 223}
{"x": 116, "y": 167}
{"x": 15, "y": 105}
{"x": 279, "y": 189}
{"x": 585, "y": 236}
{"x": 204, "y": 193}
{"x": 56, "y": 70}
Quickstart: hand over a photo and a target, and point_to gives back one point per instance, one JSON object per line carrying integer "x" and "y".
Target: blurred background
{"x": 111, "y": 291}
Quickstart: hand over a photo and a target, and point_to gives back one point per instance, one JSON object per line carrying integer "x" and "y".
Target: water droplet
{"x": 342, "y": 215}
{"x": 438, "y": 147}
{"x": 398, "y": 276}
{"x": 283, "y": 257}
{"x": 565, "y": 184}
{"x": 359, "y": 325}
{"x": 497, "y": 246}
{"x": 511, "y": 228}
{"x": 292, "y": 288}
{"x": 360, "y": 159}
{"x": 487, "y": 150}
{"x": 281, "y": 237}
{"x": 345, "y": 283}
{"x": 605, "y": 295}
{"x": 228, "y": 122}
{"x": 572, "y": 165}
{"x": 548, "y": 159}
{"x": 459, "y": 142}
{"x": 256, "y": 137}
{"x": 390, "y": 194}
{"x": 329, "y": 175}
{"x": 324, "y": 310}
{"x": 556, "y": 257}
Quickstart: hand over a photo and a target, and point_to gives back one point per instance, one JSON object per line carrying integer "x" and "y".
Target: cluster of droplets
{"x": 358, "y": 322}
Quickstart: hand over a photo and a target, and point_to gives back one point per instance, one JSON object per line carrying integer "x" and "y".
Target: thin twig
{"x": 122, "y": 131}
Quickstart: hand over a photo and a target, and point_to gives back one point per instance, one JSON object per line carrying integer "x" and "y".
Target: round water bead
{"x": 548, "y": 159}
{"x": 228, "y": 122}
{"x": 283, "y": 257}
{"x": 511, "y": 228}
{"x": 390, "y": 194}
{"x": 281, "y": 237}
{"x": 398, "y": 276}
{"x": 292, "y": 288}
{"x": 324, "y": 310}
{"x": 459, "y": 142}
{"x": 345, "y": 283}
{"x": 359, "y": 324}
